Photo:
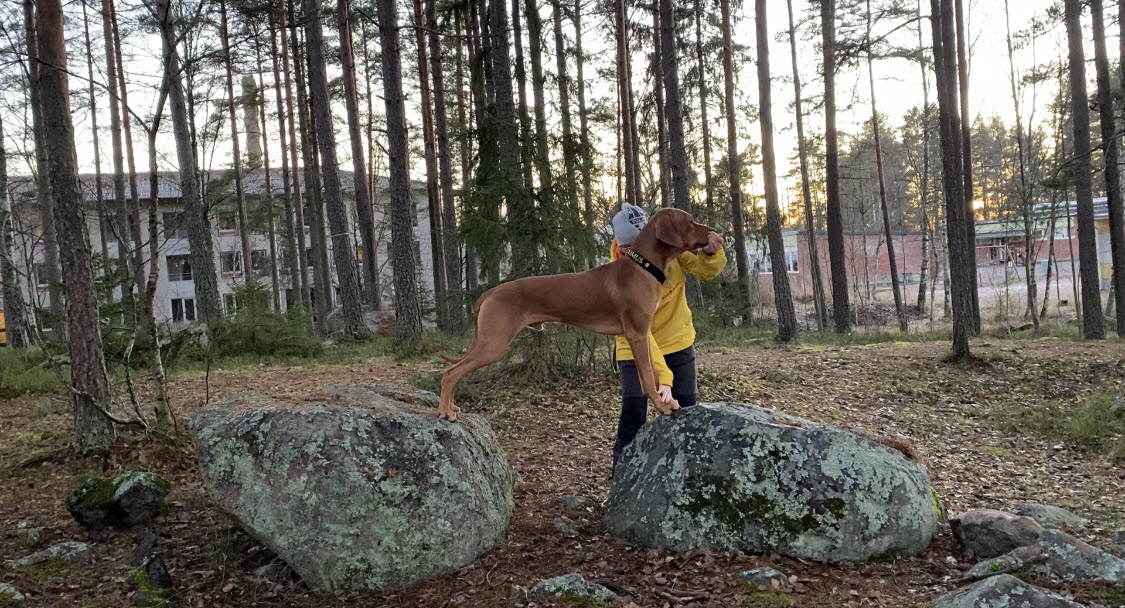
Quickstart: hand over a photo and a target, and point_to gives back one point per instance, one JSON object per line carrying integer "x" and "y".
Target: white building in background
{"x": 175, "y": 291}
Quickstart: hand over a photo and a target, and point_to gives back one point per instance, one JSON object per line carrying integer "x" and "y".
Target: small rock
{"x": 1052, "y": 517}
{"x": 1070, "y": 559}
{"x": 152, "y": 583}
{"x": 517, "y": 479}
{"x": 1117, "y": 547}
{"x": 1002, "y": 590}
{"x": 571, "y": 501}
{"x": 30, "y": 536}
{"x": 566, "y": 527}
{"x": 146, "y": 546}
{"x": 764, "y": 577}
{"x": 1118, "y": 406}
{"x": 1015, "y": 561}
{"x": 127, "y": 500}
{"x": 574, "y": 587}
{"x": 11, "y": 597}
{"x": 986, "y": 533}
{"x": 276, "y": 571}
{"x": 70, "y": 552}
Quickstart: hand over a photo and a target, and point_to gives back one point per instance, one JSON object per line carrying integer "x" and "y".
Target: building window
{"x": 309, "y": 257}
{"x": 228, "y": 302}
{"x": 41, "y": 274}
{"x": 183, "y": 309}
{"x": 179, "y": 268}
{"x": 175, "y": 225}
{"x": 231, "y": 263}
{"x": 227, "y": 222}
{"x": 761, "y": 259}
{"x": 260, "y": 262}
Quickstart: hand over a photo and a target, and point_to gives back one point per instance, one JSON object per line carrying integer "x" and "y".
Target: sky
{"x": 898, "y": 82}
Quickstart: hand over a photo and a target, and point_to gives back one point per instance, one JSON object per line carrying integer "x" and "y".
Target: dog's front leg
{"x": 642, "y": 356}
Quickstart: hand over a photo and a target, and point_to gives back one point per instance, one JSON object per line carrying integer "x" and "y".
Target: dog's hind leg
{"x": 493, "y": 335}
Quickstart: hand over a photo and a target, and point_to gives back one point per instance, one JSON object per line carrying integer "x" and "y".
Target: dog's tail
{"x": 449, "y": 359}
{"x": 476, "y": 315}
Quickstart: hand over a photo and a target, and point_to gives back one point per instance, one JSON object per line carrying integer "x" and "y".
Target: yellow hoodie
{"x": 672, "y": 330}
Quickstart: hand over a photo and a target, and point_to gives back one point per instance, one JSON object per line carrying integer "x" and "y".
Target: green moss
{"x": 996, "y": 567}
{"x": 766, "y": 599}
{"x": 93, "y": 493}
{"x": 734, "y": 508}
{"x": 46, "y": 570}
{"x": 937, "y": 504}
{"x": 887, "y": 557}
{"x": 154, "y": 595}
{"x": 835, "y": 506}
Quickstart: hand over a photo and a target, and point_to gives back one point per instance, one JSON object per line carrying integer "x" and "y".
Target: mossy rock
{"x": 734, "y": 476}
{"x": 122, "y": 502}
{"x": 10, "y": 597}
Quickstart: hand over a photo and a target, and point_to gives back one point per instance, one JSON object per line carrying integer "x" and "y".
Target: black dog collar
{"x": 647, "y": 265}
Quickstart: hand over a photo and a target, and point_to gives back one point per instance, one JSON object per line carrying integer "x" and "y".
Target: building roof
{"x": 1008, "y": 228}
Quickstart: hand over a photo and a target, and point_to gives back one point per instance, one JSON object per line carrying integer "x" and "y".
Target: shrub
{"x": 25, "y": 371}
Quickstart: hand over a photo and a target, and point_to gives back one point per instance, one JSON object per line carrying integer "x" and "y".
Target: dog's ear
{"x": 668, "y": 230}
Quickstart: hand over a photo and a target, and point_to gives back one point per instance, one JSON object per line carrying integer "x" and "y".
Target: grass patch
{"x": 768, "y": 599}
{"x": 25, "y": 371}
{"x": 46, "y": 570}
{"x": 1095, "y": 423}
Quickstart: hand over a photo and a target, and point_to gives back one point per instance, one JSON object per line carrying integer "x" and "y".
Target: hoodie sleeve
{"x": 663, "y": 372}
{"x": 702, "y": 266}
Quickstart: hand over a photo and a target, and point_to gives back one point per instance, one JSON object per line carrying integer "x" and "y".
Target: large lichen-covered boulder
{"x": 1003, "y": 591}
{"x": 126, "y": 500}
{"x": 985, "y": 533}
{"x": 734, "y": 476}
{"x": 355, "y": 490}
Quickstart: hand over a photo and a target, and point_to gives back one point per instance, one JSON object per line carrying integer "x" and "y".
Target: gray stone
{"x": 1118, "y": 406}
{"x": 573, "y": 587}
{"x": 70, "y": 552}
{"x": 11, "y": 597}
{"x": 276, "y": 571}
{"x": 985, "y": 533}
{"x": 1002, "y": 591}
{"x": 355, "y": 490}
{"x": 1117, "y": 547}
{"x": 566, "y": 527}
{"x": 127, "y": 500}
{"x": 1016, "y": 561}
{"x": 764, "y": 577}
{"x": 1048, "y": 516}
{"x": 152, "y": 584}
{"x": 1070, "y": 559}
{"x": 733, "y": 476}
{"x": 571, "y": 501}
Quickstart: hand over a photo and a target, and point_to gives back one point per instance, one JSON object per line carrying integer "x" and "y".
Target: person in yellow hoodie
{"x": 672, "y": 329}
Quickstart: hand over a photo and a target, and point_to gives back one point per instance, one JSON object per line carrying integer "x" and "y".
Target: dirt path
{"x": 558, "y": 439}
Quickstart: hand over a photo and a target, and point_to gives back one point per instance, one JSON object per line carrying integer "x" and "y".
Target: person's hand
{"x": 665, "y": 393}
{"x": 714, "y": 243}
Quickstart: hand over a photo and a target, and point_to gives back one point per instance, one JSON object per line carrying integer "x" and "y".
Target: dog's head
{"x": 677, "y": 230}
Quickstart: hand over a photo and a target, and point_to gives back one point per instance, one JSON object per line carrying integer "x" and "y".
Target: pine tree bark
{"x": 661, "y": 127}
{"x": 408, "y": 318}
{"x": 703, "y": 123}
{"x": 967, "y": 161}
{"x": 820, "y": 304}
{"x": 895, "y": 284}
{"x": 236, "y": 154}
{"x": 121, "y": 225}
{"x": 568, "y": 143}
{"x": 734, "y": 168}
{"x": 841, "y": 311}
{"x": 134, "y": 210}
{"x": 343, "y": 250}
{"x": 93, "y": 431}
{"x": 161, "y": 407}
{"x": 454, "y": 308}
{"x": 260, "y": 101}
{"x": 199, "y": 227}
{"x": 1111, "y": 150}
{"x": 1093, "y": 321}
{"x": 674, "y": 108}
{"x": 583, "y": 124}
{"x": 283, "y": 11}
{"x": 924, "y": 181}
{"x": 526, "y": 137}
{"x": 624, "y": 100}
{"x": 782, "y": 296}
{"x": 538, "y": 92}
{"x": 1026, "y": 194}
{"x": 15, "y": 311}
{"x": 294, "y": 267}
{"x": 98, "y": 194}
{"x": 471, "y": 277}
{"x": 365, "y": 214}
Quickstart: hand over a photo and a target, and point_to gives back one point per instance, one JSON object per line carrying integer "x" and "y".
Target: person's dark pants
{"x": 634, "y": 403}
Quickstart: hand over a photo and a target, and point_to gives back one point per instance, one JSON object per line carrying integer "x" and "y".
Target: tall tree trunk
{"x": 674, "y": 108}
{"x": 294, "y": 260}
{"x": 466, "y": 149}
{"x": 924, "y": 182}
{"x": 704, "y": 123}
{"x": 1092, "y": 319}
{"x": 734, "y": 168}
{"x": 98, "y": 194}
{"x": 820, "y": 305}
{"x": 945, "y": 63}
{"x": 967, "y": 160}
{"x": 260, "y": 101}
{"x": 453, "y": 304}
{"x": 121, "y": 225}
{"x": 15, "y": 312}
{"x": 568, "y": 144}
{"x": 408, "y": 318}
{"x": 343, "y": 251}
{"x": 836, "y": 254}
{"x": 624, "y": 97}
{"x": 162, "y": 409}
{"x": 283, "y": 11}
{"x": 365, "y": 214}
{"x": 134, "y": 209}
{"x": 587, "y": 153}
{"x": 783, "y": 298}
{"x": 1051, "y": 263}
{"x": 526, "y": 139}
{"x": 1025, "y": 185}
{"x": 236, "y": 155}
{"x": 1112, "y": 170}
{"x": 93, "y": 431}
{"x": 661, "y": 127}
{"x": 538, "y": 92}
{"x": 199, "y": 227}
{"x": 433, "y": 191}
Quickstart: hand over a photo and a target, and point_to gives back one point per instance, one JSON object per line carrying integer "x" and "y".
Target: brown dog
{"x": 616, "y": 298}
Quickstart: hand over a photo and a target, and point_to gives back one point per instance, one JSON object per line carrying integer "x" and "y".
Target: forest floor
{"x": 989, "y": 432}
